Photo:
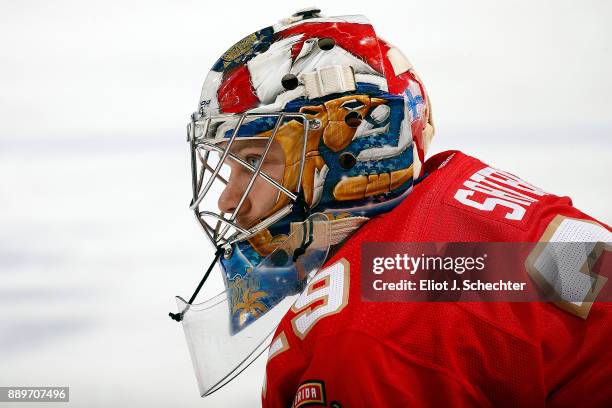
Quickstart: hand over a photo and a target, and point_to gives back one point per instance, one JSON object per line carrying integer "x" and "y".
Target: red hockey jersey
{"x": 332, "y": 349}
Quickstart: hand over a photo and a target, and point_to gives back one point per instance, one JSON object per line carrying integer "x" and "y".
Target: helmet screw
{"x": 289, "y": 82}
{"x": 347, "y": 160}
{"x": 326, "y": 44}
{"x": 314, "y": 124}
{"x": 309, "y": 12}
{"x": 227, "y": 254}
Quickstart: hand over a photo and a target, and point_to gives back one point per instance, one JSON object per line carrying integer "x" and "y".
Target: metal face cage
{"x": 209, "y": 134}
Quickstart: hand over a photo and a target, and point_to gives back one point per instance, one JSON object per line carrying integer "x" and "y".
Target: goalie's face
{"x": 262, "y": 195}
{"x": 246, "y": 170}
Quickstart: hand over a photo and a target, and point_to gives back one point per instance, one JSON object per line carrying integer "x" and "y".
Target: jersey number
{"x": 325, "y": 295}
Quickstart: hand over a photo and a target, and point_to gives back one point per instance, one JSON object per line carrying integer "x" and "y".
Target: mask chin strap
{"x": 303, "y": 210}
{"x": 307, "y": 239}
{"x": 179, "y": 316}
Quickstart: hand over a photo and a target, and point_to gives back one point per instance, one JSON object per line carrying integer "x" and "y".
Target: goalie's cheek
{"x": 264, "y": 195}
{"x": 232, "y": 193}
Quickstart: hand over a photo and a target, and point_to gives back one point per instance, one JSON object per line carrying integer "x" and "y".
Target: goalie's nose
{"x": 230, "y": 198}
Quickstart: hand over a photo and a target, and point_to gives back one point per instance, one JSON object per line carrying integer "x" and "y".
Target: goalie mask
{"x": 304, "y": 131}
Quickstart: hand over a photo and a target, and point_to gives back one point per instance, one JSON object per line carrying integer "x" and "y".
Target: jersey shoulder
{"x": 465, "y": 199}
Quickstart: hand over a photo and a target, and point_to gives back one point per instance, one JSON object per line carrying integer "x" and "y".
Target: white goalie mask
{"x": 304, "y": 130}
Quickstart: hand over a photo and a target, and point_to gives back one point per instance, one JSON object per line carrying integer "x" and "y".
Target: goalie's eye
{"x": 253, "y": 160}
{"x": 352, "y": 105}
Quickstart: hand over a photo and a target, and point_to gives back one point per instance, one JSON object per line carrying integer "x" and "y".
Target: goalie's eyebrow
{"x": 241, "y": 145}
